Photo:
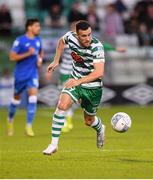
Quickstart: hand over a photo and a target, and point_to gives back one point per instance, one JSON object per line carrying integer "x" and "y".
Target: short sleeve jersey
{"x": 26, "y": 67}
{"x": 84, "y": 58}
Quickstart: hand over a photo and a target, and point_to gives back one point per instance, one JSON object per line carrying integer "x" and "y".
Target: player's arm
{"x": 59, "y": 49}
{"x": 109, "y": 47}
{"x": 14, "y": 56}
{"x": 97, "y": 73}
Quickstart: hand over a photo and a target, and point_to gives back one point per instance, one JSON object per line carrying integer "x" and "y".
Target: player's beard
{"x": 86, "y": 44}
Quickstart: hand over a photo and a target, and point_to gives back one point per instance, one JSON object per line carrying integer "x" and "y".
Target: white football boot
{"x": 101, "y": 137}
{"x": 50, "y": 149}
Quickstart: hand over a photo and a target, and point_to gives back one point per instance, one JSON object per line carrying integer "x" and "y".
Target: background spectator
{"x": 55, "y": 19}
{"x": 74, "y": 13}
{"x": 131, "y": 25}
{"x": 120, "y": 6}
{"x": 5, "y": 20}
{"x": 113, "y": 23}
{"x": 143, "y": 36}
{"x": 45, "y": 4}
{"x": 92, "y": 17}
{"x": 140, "y": 10}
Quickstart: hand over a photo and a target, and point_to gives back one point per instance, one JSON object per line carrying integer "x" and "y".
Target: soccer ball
{"x": 121, "y": 122}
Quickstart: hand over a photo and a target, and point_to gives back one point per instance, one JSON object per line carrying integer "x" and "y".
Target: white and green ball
{"x": 121, "y": 122}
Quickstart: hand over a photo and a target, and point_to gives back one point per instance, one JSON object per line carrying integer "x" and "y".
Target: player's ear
{"x": 76, "y": 35}
{"x": 29, "y": 28}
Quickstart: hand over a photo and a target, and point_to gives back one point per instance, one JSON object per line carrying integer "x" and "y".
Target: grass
{"x": 125, "y": 155}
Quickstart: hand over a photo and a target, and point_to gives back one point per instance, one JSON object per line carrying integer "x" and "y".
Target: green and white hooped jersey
{"x": 84, "y": 58}
{"x": 66, "y": 64}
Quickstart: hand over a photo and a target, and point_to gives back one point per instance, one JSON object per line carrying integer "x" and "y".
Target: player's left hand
{"x": 72, "y": 83}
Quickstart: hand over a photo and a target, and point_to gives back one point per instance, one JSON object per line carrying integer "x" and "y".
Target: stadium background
{"x": 128, "y": 77}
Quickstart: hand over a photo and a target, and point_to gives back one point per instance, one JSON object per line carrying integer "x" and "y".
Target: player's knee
{"x": 32, "y": 99}
{"x": 15, "y": 101}
{"x": 63, "y": 106}
{"x": 88, "y": 121}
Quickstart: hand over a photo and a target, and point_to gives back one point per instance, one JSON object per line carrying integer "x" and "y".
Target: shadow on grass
{"x": 136, "y": 160}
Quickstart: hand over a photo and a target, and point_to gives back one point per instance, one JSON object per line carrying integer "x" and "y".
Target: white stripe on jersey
{"x": 66, "y": 64}
{"x": 65, "y": 71}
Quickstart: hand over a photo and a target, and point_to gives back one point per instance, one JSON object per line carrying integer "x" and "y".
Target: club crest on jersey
{"x": 38, "y": 44}
{"x": 27, "y": 44}
{"x": 77, "y": 58}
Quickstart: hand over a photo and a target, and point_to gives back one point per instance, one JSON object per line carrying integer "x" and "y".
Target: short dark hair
{"x": 82, "y": 25}
{"x": 30, "y": 22}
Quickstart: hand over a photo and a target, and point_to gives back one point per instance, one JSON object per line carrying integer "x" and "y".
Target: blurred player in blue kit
{"x": 27, "y": 53}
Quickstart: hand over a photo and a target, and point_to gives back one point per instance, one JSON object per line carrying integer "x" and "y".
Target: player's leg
{"x": 68, "y": 120}
{"x": 11, "y": 113}
{"x": 18, "y": 88}
{"x": 12, "y": 107}
{"x": 68, "y": 125}
{"x": 96, "y": 124}
{"x": 65, "y": 102}
{"x": 31, "y": 109}
{"x": 90, "y": 102}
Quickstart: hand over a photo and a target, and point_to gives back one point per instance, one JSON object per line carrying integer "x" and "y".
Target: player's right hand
{"x": 52, "y": 67}
{"x": 31, "y": 51}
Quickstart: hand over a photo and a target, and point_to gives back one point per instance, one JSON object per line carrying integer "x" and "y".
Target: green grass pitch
{"x": 125, "y": 155}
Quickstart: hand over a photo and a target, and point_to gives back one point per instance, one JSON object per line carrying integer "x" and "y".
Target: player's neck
{"x": 30, "y": 35}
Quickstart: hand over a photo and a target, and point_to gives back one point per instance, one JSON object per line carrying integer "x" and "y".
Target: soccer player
{"x": 27, "y": 53}
{"x": 85, "y": 84}
{"x": 65, "y": 71}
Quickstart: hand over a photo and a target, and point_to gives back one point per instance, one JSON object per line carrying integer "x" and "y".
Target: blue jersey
{"x": 26, "y": 67}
